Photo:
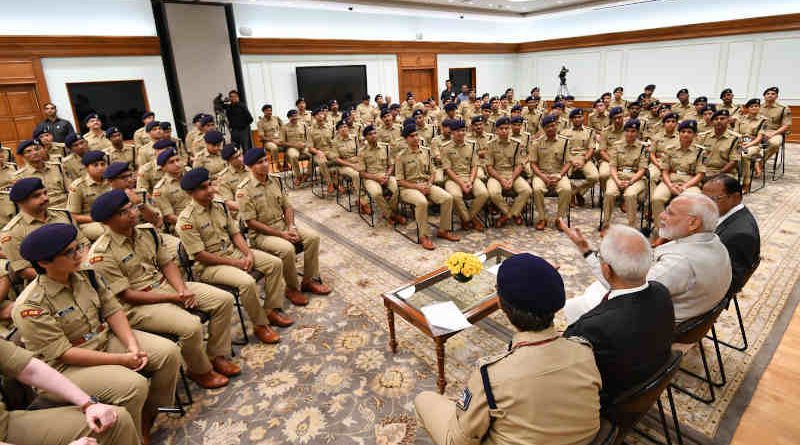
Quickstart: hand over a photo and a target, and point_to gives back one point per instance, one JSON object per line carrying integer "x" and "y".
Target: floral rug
{"x": 333, "y": 379}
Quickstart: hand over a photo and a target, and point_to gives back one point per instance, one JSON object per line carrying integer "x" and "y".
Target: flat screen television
{"x": 118, "y": 103}
{"x": 319, "y": 84}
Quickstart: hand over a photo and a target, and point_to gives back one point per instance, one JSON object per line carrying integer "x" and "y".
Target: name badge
{"x": 205, "y": 225}
{"x": 627, "y": 170}
{"x": 681, "y": 172}
{"x": 127, "y": 258}
{"x": 65, "y": 311}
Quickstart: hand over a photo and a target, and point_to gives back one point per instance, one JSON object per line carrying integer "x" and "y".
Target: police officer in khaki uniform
{"x": 505, "y": 160}
{"x": 617, "y": 100}
{"x": 229, "y": 178}
{"x": 96, "y": 137}
{"x": 598, "y": 118}
{"x": 166, "y": 131}
{"x": 627, "y": 166}
{"x": 72, "y": 165}
{"x": 140, "y": 136}
{"x": 727, "y": 103}
{"x": 608, "y": 137}
{"x": 543, "y": 373}
{"x": 750, "y": 126}
{"x": 302, "y": 113}
{"x": 582, "y": 143}
{"x": 6, "y": 302}
{"x": 389, "y": 133}
{"x": 424, "y": 130}
{"x": 138, "y": 269}
{"x": 83, "y": 191}
{"x": 345, "y": 149}
{"x": 73, "y": 322}
{"x": 194, "y": 133}
{"x": 119, "y": 151}
{"x": 377, "y": 173}
{"x": 269, "y": 131}
{"x": 439, "y": 140}
{"x": 460, "y": 164}
{"x": 55, "y": 150}
{"x": 662, "y": 145}
{"x": 7, "y": 171}
{"x": 120, "y": 176}
{"x": 167, "y": 193}
{"x": 206, "y": 124}
{"x": 779, "y": 121}
{"x": 682, "y": 170}
{"x": 723, "y": 147}
{"x": 321, "y": 135}
{"x": 221, "y": 254}
{"x": 150, "y": 173}
{"x": 294, "y": 138}
{"x": 549, "y": 163}
{"x": 683, "y": 107}
{"x": 31, "y": 197}
{"x": 364, "y": 112}
{"x": 415, "y": 179}
{"x": 268, "y": 213}
{"x": 209, "y": 158}
{"x": 84, "y": 423}
{"x": 482, "y": 139}
{"x": 50, "y": 173}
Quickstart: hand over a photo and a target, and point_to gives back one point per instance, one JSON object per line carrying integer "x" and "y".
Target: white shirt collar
{"x": 733, "y": 210}
{"x": 617, "y": 292}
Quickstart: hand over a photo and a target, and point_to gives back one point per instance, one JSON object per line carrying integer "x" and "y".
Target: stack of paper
{"x": 444, "y": 317}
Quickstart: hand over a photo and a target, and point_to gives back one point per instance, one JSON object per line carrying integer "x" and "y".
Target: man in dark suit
{"x": 631, "y": 329}
{"x": 736, "y": 228}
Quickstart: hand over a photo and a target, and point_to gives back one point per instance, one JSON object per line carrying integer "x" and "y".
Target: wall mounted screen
{"x": 118, "y": 103}
{"x": 319, "y": 84}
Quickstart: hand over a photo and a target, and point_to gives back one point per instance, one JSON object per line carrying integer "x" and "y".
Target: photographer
{"x": 239, "y": 120}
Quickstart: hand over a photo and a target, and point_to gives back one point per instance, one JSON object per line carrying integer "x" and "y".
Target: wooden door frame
{"x": 35, "y": 77}
{"x": 417, "y": 61}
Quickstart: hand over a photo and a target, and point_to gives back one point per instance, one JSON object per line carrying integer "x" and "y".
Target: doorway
{"x": 422, "y": 82}
{"x": 19, "y": 113}
{"x": 462, "y": 76}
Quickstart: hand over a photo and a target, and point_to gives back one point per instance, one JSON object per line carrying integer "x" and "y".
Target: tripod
{"x": 563, "y": 91}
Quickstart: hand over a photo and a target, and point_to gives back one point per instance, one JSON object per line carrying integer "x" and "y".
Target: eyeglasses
{"x": 73, "y": 252}
{"x": 718, "y": 198}
{"x": 128, "y": 210}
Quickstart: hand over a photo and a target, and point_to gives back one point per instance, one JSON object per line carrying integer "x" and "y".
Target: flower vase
{"x": 462, "y": 278}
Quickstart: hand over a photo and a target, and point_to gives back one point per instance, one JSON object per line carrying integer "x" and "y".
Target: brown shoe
{"x": 209, "y": 380}
{"x": 397, "y": 219}
{"x": 426, "y": 243}
{"x": 541, "y": 224}
{"x": 225, "y": 366}
{"x": 297, "y": 181}
{"x": 315, "y": 287}
{"x": 623, "y": 207}
{"x": 558, "y": 226}
{"x": 477, "y": 224}
{"x": 448, "y": 235}
{"x": 266, "y": 335}
{"x": 148, "y": 419}
{"x": 330, "y": 189}
{"x": 279, "y": 318}
{"x": 365, "y": 208}
{"x": 518, "y": 220}
{"x": 296, "y": 297}
{"x": 466, "y": 225}
{"x": 502, "y": 221}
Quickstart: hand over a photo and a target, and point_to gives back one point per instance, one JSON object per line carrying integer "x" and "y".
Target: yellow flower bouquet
{"x": 463, "y": 266}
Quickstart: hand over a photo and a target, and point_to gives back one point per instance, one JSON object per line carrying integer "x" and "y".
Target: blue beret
{"x": 47, "y": 241}
{"x": 690, "y": 124}
{"x": 569, "y": 97}
{"x": 165, "y": 125}
{"x": 650, "y": 87}
{"x": 24, "y": 187}
{"x": 291, "y": 113}
{"x": 670, "y": 116}
{"x": 369, "y": 128}
{"x": 316, "y": 111}
{"x": 409, "y": 94}
{"x": 213, "y": 137}
{"x": 24, "y": 144}
{"x": 409, "y": 130}
{"x": 620, "y": 89}
{"x": 615, "y": 111}
{"x": 486, "y": 106}
{"x": 111, "y": 130}
{"x": 228, "y": 151}
{"x": 724, "y": 92}
{"x": 71, "y": 139}
{"x": 558, "y": 105}
{"x": 516, "y": 107}
{"x": 151, "y": 125}
{"x": 752, "y": 102}
{"x": 107, "y": 204}
{"x": 635, "y": 103}
{"x": 116, "y": 169}
{"x": 340, "y": 124}
{"x": 632, "y": 123}
{"x": 385, "y": 111}
{"x": 194, "y": 177}
{"x": 502, "y": 121}
{"x": 476, "y": 119}
{"x": 773, "y": 89}
{"x": 682, "y": 91}
{"x": 725, "y": 113}
{"x": 163, "y": 143}
{"x": 197, "y": 117}
{"x": 394, "y": 106}
{"x": 417, "y": 112}
{"x": 517, "y": 120}
{"x": 39, "y": 131}
{"x": 377, "y": 96}
{"x": 409, "y": 121}
{"x": 164, "y": 156}
{"x": 90, "y": 157}
{"x": 549, "y": 119}
{"x": 700, "y": 99}
{"x": 148, "y": 114}
{"x": 206, "y": 119}
{"x": 576, "y": 112}
{"x": 531, "y": 284}
{"x": 450, "y": 106}
{"x": 253, "y": 155}
{"x": 457, "y": 124}
{"x": 89, "y": 117}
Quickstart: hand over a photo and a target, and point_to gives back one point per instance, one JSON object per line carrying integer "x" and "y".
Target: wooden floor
{"x": 773, "y": 416}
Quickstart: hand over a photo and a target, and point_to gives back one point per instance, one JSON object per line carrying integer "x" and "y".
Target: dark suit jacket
{"x": 631, "y": 336}
{"x": 739, "y": 233}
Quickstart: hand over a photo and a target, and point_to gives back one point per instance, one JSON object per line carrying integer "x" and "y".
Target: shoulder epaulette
{"x": 160, "y": 183}
{"x": 100, "y": 245}
{"x": 244, "y": 182}
{"x": 13, "y": 222}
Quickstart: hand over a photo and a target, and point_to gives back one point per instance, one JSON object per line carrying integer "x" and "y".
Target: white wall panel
{"x": 583, "y": 80}
{"x": 493, "y": 72}
{"x": 739, "y": 68}
{"x": 780, "y": 60}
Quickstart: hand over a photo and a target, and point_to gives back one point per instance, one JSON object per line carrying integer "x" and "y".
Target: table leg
{"x": 440, "y": 382}
{"x": 392, "y": 337}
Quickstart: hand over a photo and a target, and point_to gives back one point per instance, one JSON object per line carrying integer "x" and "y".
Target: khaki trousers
{"x": 479, "y": 197}
{"x": 747, "y": 159}
{"x": 294, "y": 159}
{"x": 631, "y": 197}
{"x": 662, "y": 196}
{"x": 434, "y": 412}
{"x": 420, "y": 203}
{"x": 284, "y": 250}
{"x": 591, "y": 176}
{"x": 270, "y": 266}
{"x": 522, "y": 190}
{"x": 355, "y": 176}
{"x": 118, "y": 385}
{"x": 273, "y": 150}
{"x": 375, "y": 190}
{"x": 168, "y": 318}
{"x": 773, "y": 145}
{"x": 604, "y": 172}
{"x": 564, "y": 190}
{"x": 324, "y": 169}
{"x": 655, "y": 178}
{"x": 62, "y": 426}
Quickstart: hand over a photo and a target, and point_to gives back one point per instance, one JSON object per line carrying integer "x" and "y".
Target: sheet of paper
{"x": 493, "y": 270}
{"x": 581, "y": 304}
{"x": 444, "y": 317}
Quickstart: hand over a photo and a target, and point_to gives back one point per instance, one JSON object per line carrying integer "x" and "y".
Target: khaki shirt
{"x": 96, "y": 141}
{"x": 749, "y": 127}
{"x": 777, "y": 116}
{"x": 207, "y": 229}
{"x": 305, "y": 117}
{"x": 141, "y": 138}
{"x": 332, "y": 119}
{"x": 483, "y": 140}
{"x": 198, "y": 144}
{"x": 191, "y": 136}
{"x": 436, "y": 144}
{"x": 269, "y": 128}
{"x": 460, "y": 158}
{"x": 684, "y": 164}
{"x": 579, "y": 140}
{"x": 388, "y": 135}
{"x": 83, "y": 192}
{"x": 169, "y": 197}
{"x": 610, "y": 136}
{"x": 294, "y": 133}
{"x": 720, "y": 150}
{"x": 664, "y": 144}
{"x": 321, "y": 137}
{"x": 264, "y": 202}
{"x": 124, "y": 155}
{"x": 545, "y": 394}
{"x": 13, "y": 360}
{"x": 130, "y": 263}
{"x": 212, "y": 162}
{"x": 53, "y": 318}
{"x": 346, "y": 149}
{"x": 425, "y": 134}
{"x": 505, "y": 156}
{"x": 413, "y": 166}
{"x": 365, "y": 113}
{"x": 732, "y": 108}
{"x": 549, "y": 155}
{"x": 533, "y": 123}
{"x": 53, "y": 181}
{"x": 683, "y": 110}
{"x": 227, "y": 181}
{"x": 149, "y": 174}
{"x": 375, "y": 159}
{"x": 622, "y": 103}
{"x": 627, "y": 159}
{"x": 7, "y": 208}
{"x": 72, "y": 167}
{"x": 56, "y": 151}
{"x": 21, "y": 226}
{"x": 145, "y": 153}
{"x": 599, "y": 122}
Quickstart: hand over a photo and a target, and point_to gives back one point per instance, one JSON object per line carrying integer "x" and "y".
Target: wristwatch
{"x": 92, "y": 401}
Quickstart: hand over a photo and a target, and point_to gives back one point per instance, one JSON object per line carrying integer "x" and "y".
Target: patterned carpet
{"x": 332, "y": 379}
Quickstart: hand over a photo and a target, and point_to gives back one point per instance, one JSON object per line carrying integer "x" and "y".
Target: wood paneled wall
{"x": 78, "y": 46}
